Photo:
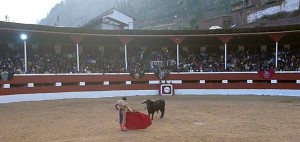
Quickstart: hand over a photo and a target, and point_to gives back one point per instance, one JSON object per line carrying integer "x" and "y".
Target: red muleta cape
{"x": 137, "y": 120}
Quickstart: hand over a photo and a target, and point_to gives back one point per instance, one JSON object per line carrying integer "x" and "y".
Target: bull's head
{"x": 147, "y": 101}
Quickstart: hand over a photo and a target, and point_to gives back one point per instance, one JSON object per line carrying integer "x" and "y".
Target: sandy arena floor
{"x": 187, "y": 119}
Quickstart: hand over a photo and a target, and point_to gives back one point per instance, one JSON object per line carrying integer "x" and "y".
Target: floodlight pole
{"x": 225, "y": 56}
{"x": 126, "y": 64}
{"x": 25, "y": 55}
{"x": 177, "y": 54}
{"x": 77, "y": 51}
{"x": 24, "y": 38}
{"x": 276, "y": 58}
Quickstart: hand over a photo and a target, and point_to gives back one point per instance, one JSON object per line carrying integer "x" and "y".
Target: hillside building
{"x": 112, "y": 19}
{"x": 254, "y": 13}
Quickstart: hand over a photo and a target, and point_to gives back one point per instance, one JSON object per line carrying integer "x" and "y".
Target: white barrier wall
{"x": 102, "y": 94}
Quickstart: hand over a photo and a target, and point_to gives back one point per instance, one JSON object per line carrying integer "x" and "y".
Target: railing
{"x": 51, "y": 83}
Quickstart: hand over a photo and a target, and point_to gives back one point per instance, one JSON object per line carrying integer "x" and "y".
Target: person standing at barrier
{"x": 122, "y": 107}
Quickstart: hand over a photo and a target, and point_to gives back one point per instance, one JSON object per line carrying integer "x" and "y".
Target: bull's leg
{"x": 150, "y": 115}
{"x": 162, "y": 114}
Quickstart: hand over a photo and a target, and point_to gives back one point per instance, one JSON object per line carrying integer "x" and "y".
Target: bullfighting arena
{"x": 211, "y": 118}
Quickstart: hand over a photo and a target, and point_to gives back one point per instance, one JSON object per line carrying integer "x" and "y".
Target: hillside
{"x": 147, "y": 13}
{"x": 76, "y": 12}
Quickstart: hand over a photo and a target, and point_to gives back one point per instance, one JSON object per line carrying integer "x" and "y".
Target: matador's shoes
{"x": 123, "y": 128}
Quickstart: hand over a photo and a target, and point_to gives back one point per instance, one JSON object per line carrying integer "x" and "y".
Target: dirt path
{"x": 188, "y": 118}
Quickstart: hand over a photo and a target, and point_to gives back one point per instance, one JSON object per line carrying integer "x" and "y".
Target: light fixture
{"x": 23, "y": 36}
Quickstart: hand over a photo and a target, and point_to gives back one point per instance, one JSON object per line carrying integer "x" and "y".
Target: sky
{"x": 25, "y": 11}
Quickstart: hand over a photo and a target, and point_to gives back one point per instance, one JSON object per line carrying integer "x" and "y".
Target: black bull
{"x": 157, "y": 105}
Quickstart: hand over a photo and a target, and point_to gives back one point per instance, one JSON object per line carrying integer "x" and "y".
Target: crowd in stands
{"x": 12, "y": 60}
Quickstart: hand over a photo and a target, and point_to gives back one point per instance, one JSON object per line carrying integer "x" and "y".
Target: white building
{"x": 285, "y": 6}
{"x": 112, "y": 19}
